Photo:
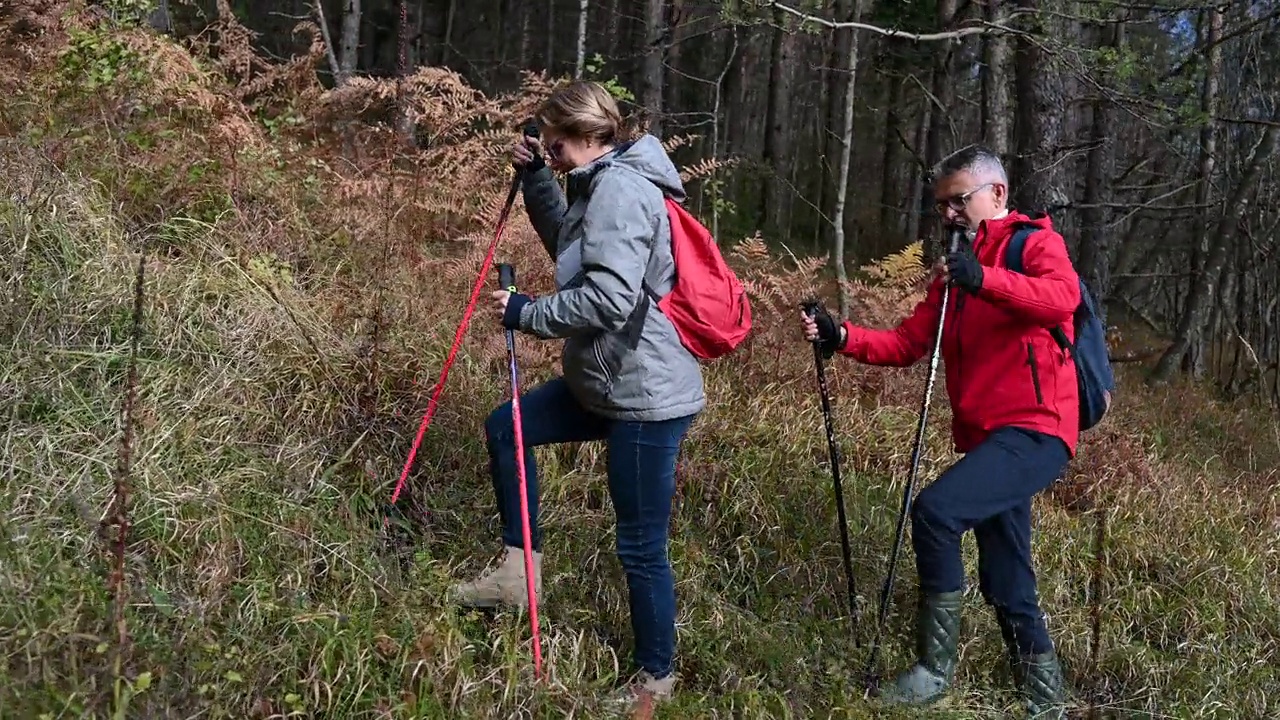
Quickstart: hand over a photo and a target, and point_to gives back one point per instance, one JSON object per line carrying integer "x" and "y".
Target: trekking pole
{"x": 811, "y": 308}
{"x": 887, "y": 590}
{"x": 507, "y": 278}
{"x": 530, "y": 130}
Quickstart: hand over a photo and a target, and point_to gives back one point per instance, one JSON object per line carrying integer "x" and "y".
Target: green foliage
{"x": 129, "y": 12}
{"x": 95, "y": 59}
{"x": 594, "y": 69}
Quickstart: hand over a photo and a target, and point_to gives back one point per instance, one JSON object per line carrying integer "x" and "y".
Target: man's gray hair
{"x": 975, "y": 159}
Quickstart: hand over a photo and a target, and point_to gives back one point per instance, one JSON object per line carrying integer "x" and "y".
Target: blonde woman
{"x": 627, "y": 380}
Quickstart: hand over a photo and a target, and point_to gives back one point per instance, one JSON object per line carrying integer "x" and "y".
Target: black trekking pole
{"x": 956, "y": 234}
{"x": 811, "y": 308}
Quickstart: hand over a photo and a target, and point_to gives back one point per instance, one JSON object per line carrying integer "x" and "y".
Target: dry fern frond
{"x": 672, "y": 144}
{"x": 705, "y": 168}
{"x": 901, "y": 269}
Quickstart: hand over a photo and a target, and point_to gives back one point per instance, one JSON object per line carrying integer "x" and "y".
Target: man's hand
{"x": 962, "y": 268}
{"x": 823, "y": 329}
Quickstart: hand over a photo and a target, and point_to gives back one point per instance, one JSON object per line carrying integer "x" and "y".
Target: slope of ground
{"x": 301, "y": 287}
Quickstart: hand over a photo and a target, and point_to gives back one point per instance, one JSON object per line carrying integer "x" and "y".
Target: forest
{"x": 240, "y": 238}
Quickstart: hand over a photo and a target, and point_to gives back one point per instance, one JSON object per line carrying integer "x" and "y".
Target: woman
{"x": 626, "y": 380}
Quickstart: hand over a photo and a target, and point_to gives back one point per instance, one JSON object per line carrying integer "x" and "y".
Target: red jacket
{"x": 1002, "y": 366}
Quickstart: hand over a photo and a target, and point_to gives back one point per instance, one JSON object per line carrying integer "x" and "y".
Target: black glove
{"x": 828, "y": 331}
{"x": 965, "y": 270}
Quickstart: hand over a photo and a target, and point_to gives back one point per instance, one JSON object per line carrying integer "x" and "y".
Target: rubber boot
{"x": 1007, "y": 631}
{"x": 937, "y": 638}
{"x": 502, "y": 585}
{"x": 1043, "y": 687}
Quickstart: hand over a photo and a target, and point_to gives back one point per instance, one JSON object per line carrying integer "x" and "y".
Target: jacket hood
{"x": 645, "y": 157}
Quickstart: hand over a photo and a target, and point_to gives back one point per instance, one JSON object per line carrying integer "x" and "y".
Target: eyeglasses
{"x": 959, "y": 202}
{"x": 554, "y": 148}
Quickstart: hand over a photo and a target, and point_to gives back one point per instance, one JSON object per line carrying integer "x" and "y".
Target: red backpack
{"x": 708, "y": 305}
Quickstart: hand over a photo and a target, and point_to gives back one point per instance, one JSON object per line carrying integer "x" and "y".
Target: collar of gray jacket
{"x": 644, "y": 156}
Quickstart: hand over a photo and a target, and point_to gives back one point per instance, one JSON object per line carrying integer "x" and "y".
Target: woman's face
{"x": 566, "y": 153}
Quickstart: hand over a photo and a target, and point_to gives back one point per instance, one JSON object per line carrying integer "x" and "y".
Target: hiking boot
{"x": 937, "y": 637}
{"x": 1042, "y": 686}
{"x": 502, "y": 585}
{"x": 640, "y": 697}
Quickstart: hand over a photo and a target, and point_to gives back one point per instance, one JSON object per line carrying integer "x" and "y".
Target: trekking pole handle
{"x": 507, "y": 276}
{"x": 811, "y": 308}
{"x": 954, "y": 238}
{"x": 531, "y": 130}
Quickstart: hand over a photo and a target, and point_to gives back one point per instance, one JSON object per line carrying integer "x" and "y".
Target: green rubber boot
{"x": 937, "y": 637}
{"x": 1043, "y": 687}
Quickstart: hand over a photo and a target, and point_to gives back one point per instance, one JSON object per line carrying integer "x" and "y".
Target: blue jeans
{"x": 989, "y": 491}
{"x": 642, "y": 470}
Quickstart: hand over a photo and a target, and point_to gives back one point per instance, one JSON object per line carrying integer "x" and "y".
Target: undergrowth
{"x": 304, "y": 271}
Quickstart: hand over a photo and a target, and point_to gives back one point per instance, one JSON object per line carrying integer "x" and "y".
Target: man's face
{"x": 967, "y": 200}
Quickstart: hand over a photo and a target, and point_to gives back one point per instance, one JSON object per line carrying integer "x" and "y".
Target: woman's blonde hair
{"x": 582, "y": 109}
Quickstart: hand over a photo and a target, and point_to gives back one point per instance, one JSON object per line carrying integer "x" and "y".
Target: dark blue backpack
{"x": 1094, "y": 376}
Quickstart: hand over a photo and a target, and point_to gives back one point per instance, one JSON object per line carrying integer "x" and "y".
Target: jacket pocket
{"x": 1035, "y": 373}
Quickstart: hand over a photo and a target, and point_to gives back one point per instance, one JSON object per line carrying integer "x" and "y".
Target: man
{"x": 1014, "y": 399}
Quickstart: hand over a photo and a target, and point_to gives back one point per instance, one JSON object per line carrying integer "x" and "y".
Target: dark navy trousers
{"x": 989, "y": 491}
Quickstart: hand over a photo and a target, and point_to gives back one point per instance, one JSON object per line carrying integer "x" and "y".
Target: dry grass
{"x": 302, "y": 287}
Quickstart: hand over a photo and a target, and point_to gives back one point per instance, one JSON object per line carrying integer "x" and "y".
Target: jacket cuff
{"x": 511, "y": 316}
{"x": 849, "y": 328}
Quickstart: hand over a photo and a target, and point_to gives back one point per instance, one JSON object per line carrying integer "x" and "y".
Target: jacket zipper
{"x": 604, "y": 366}
{"x": 959, "y": 345}
{"x": 1035, "y": 374}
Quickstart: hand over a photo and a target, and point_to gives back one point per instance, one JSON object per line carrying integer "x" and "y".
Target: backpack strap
{"x": 1013, "y": 261}
{"x": 1013, "y": 251}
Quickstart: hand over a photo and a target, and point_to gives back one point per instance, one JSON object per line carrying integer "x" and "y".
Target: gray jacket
{"x": 622, "y": 358}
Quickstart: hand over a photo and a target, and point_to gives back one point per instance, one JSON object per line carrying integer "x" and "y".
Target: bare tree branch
{"x": 980, "y": 29}
{"x": 328, "y": 40}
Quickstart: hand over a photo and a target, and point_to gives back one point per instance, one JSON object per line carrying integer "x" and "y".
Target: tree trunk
{"x": 846, "y": 157}
{"x": 1196, "y": 309}
{"x": 1095, "y": 241}
{"x": 941, "y": 140}
{"x": 159, "y": 18}
{"x": 837, "y": 52}
{"x": 777, "y": 129}
{"x": 918, "y": 204}
{"x": 551, "y": 34}
{"x": 582, "y": 39}
{"x": 1039, "y": 179}
{"x": 1211, "y": 21}
{"x": 890, "y": 198}
{"x": 655, "y": 43}
{"x": 997, "y": 106}
{"x": 348, "y": 59}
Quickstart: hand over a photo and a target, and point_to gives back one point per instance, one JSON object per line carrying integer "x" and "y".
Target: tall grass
{"x": 301, "y": 291}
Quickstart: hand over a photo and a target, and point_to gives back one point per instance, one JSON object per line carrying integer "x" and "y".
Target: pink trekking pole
{"x": 507, "y": 279}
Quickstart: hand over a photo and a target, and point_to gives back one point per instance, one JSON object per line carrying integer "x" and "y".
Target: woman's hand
{"x": 500, "y": 298}
{"x": 522, "y": 152}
